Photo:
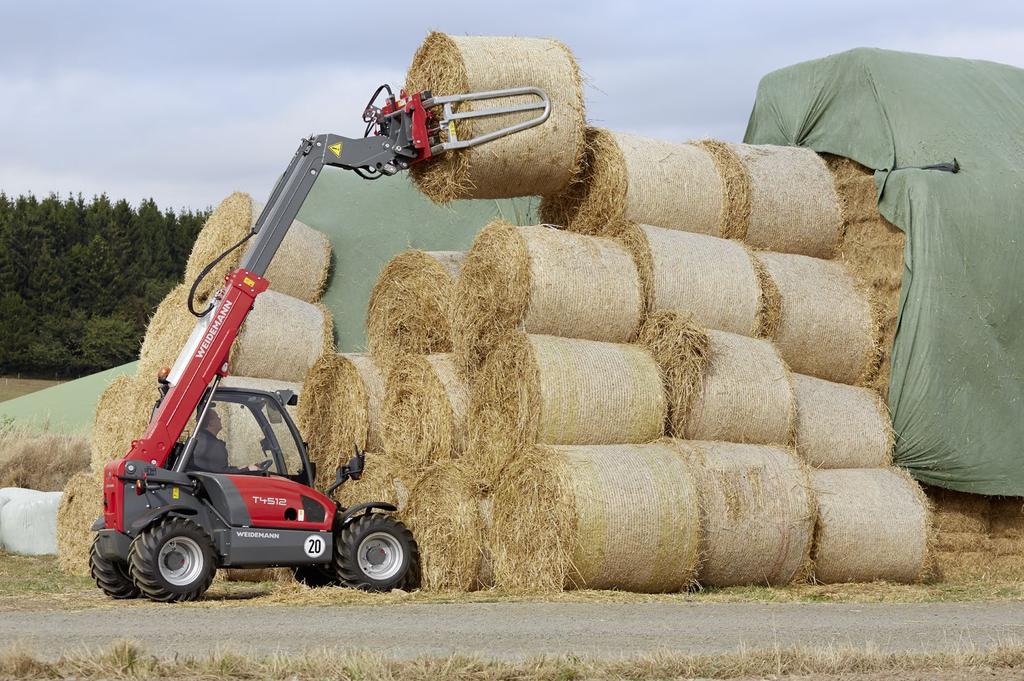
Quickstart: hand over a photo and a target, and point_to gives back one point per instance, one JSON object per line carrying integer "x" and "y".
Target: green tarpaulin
{"x": 957, "y": 386}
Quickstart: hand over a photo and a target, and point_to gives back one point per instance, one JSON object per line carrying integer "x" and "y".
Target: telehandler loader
{"x": 176, "y": 507}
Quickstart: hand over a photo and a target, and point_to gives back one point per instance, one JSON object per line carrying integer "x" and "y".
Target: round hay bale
{"x": 873, "y": 524}
{"x": 545, "y": 389}
{"x": 715, "y": 281}
{"x": 533, "y": 162}
{"x": 598, "y": 517}
{"x": 167, "y": 332}
{"x": 828, "y": 327}
{"x": 409, "y": 304}
{"x": 440, "y": 510}
{"x": 542, "y": 280}
{"x": 840, "y": 426}
{"x": 443, "y": 514}
{"x": 721, "y": 386}
{"x": 872, "y": 249}
{"x": 80, "y": 505}
{"x": 281, "y": 338}
{"x": 122, "y": 415}
{"x": 300, "y": 267}
{"x": 793, "y": 203}
{"x": 340, "y": 409}
{"x": 423, "y": 419}
{"x": 628, "y": 178}
{"x": 757, "y": 513}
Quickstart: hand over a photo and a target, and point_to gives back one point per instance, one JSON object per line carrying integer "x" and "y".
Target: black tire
{"x": 315, "y": 576}
{"x": 111, "y": 576}
{"x": 380, "y": 538}
{"x": 191, "y": 556}
{"x": 414, "y": 576}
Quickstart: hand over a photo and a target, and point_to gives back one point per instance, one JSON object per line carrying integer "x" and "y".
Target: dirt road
{"x": 518, "y": 630}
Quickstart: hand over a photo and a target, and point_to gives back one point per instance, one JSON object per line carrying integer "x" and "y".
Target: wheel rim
{"x": 380, "y": 556}
{"x": 180, "y": 561}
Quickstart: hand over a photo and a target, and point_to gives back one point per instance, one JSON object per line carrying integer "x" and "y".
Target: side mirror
{"x": 356, "y": 464}
{"x": 352, "y": 470}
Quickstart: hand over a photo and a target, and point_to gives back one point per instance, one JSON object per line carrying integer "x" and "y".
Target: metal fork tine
{"x": 446, "y": 124}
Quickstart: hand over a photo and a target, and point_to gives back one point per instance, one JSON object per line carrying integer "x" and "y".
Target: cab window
{"x": 242, "y": 431}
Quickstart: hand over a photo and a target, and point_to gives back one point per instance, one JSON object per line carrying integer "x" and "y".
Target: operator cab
{"x": 244, "y": 432}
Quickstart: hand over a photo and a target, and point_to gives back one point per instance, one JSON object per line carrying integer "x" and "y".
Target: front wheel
{"x": 172, "y": 561}
{"x": 375, "y": 552}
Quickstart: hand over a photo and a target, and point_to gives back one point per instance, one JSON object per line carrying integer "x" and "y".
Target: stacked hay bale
{"x": 300, "y": 268}
{"x": 285, "y": 335}
{"x": 408, "y": 311}
{"x": 758, "y": 513}
{"x": 873, "y": 524}
{"x": 340, "y": 409}
{"x": 872, "y": 250}
{"x": 412, "y": 419}
{"x": 405, "y": 404}
{"x": 978, "y": 537}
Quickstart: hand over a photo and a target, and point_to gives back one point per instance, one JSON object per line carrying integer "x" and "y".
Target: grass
{"x": 11, "y": 387}
{"x": 125, "y": 660}
{"x": 35, "y": 583}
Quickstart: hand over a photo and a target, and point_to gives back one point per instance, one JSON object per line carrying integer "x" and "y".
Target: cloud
{"x": 187, "y": 101}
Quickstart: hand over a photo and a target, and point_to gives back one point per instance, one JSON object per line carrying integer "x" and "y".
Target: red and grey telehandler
{"x": 183, "y": 502}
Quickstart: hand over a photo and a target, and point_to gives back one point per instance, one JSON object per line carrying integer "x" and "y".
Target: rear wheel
{"x": 375, "y": 552}
{"x": 111, "y": 576}
{"x": 315, "y": 576}
{"x": 172, "y": 561}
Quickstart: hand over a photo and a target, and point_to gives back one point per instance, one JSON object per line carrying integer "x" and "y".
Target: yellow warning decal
{"x": 175, "y": 493}
{"x": 336, "y": 149}
{"x": 248, "y": 282}
{"x": 451, "y": 130}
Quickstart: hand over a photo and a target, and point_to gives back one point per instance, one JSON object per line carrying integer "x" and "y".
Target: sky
{"x": 187, "y": 101}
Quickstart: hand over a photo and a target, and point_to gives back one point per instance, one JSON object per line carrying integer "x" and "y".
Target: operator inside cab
{"x": 211, "y": 453}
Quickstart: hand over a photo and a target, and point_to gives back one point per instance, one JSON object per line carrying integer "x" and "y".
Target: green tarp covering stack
{"x": 957, "y": 384}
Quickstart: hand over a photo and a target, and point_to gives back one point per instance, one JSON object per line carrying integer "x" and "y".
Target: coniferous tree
{"x": 79, "y": 279}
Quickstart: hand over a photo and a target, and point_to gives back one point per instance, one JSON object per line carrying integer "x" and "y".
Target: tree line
{"x": 79, "y": 279}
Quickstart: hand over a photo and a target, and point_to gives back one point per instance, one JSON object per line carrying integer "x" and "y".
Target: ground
{"x": 11, "y": 387}
{"x": 52, "y": 625}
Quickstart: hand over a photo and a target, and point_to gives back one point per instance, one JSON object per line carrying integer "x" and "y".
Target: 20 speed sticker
{"x": 314, "y": 546}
